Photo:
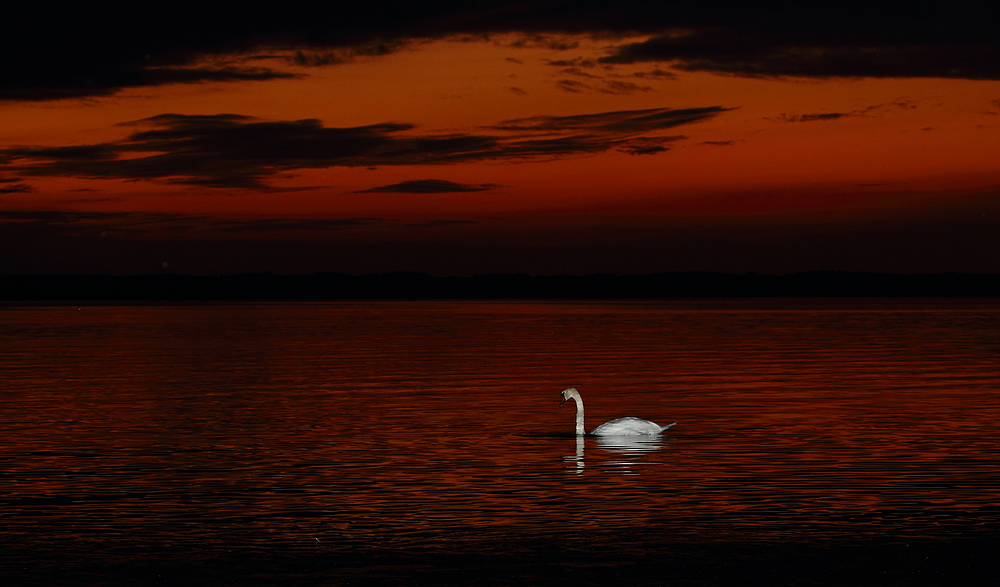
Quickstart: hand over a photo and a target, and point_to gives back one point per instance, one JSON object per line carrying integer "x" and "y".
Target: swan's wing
{"x": 662, "y": 428}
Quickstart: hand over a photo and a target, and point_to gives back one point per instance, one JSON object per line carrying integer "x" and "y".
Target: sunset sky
{"x": 503, "y": 137}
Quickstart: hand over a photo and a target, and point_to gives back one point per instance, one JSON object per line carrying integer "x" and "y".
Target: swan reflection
{"x": 628, "y": 451}
{"x": 578, "y": 457}
{"x": 630, "y": 445}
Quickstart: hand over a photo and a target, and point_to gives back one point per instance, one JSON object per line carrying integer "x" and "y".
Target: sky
{"x": 460, "y": 138}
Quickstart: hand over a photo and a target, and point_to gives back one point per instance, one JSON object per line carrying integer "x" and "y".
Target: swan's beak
{"x": 563, "y": 401}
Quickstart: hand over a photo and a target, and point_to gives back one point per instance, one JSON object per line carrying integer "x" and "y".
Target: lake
{"x": 826, "y": 442}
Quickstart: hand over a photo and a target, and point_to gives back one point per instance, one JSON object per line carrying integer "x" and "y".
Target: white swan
{"x": 627, "y": 426}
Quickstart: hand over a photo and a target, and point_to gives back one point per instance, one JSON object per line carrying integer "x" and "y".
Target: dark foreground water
{"x": 822, "y": 442}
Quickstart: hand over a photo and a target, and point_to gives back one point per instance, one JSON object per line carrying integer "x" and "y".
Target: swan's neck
{"x": 579, "y": 417}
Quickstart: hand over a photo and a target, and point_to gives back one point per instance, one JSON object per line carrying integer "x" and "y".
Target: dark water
{"x": 818, "y": 442}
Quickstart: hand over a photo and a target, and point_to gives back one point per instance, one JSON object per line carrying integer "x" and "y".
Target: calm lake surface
{"x": 852, "y": 442}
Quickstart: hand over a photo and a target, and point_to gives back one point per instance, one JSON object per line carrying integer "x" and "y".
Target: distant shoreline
{"x": 418, "y": 286}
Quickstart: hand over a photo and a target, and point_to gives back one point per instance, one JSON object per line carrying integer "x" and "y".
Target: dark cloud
{"x": 655, "y": 74}
{"x": 234, "y": 151}
{"x": 107, "y": 83}
{"x": 579, "y": 73}
{"x": 619, "y": 87}
{"x": 77, "y": 51}
{"x": 625, "y": 130}
{"x": 812, "y": 117}
{"x": 180, "y": 75}
{"x": 718, "y": 143}
{"x": 18, "y": 188}
{"x": 870, "y": 111}
{"x": 327, "y": 56}
{"x": 647, "y": 147}
{"x": 545, "y": 41}
{"x": 603, "y": 79}
{"x": 603, "y": 86}
{"x": 623, "y": 121}
{"x": 818, "y": 53}
{"x": 825, "y": 116}
{"x": 577, "y": 62}
{"x": 14, "y": 188}
{"x": 572, "y": 86}
{"x": 429, "y": 186}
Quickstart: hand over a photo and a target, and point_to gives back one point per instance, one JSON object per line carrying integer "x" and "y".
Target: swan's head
{"x": 568, "y": 394}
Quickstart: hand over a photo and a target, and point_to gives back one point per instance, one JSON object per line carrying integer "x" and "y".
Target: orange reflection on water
{"x": 401, "y": 424}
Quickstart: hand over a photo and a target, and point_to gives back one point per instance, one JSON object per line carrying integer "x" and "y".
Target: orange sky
{"x": 777, "y": 151}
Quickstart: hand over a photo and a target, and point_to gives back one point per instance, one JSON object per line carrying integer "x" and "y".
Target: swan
{"x": 627, "y": 426}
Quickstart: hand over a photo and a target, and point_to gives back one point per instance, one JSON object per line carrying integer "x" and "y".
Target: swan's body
{"x": 627, "y": 426}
